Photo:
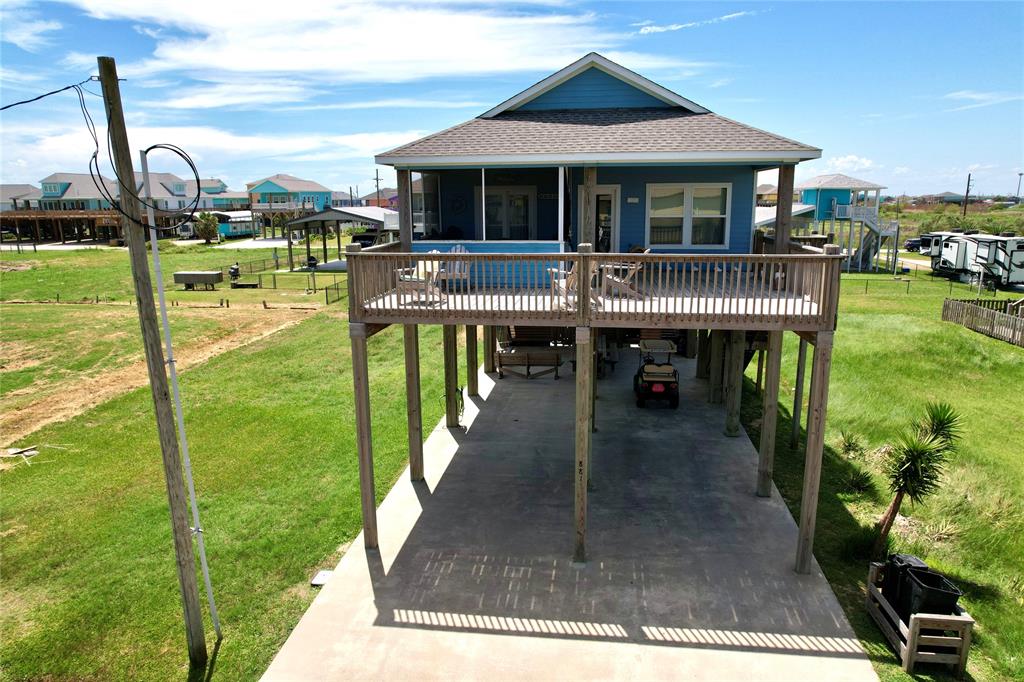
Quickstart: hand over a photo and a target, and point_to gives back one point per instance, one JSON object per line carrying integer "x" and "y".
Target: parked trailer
{"x": 1001, "y": 258}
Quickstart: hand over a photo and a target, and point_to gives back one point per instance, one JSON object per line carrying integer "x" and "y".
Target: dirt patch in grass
{"x": 86, "y": 392}
{"x": 15, "y": 356}
{"x": 17, "y": 265}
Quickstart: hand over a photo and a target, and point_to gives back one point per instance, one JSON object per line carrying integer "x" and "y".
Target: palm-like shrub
{"x": 914, "y": 465}
{"x": 206, "y": 227}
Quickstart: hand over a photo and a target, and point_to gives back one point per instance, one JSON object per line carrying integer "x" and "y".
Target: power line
{"x": 47, "y": 94}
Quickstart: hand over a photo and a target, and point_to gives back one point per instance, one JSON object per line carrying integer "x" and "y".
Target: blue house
{"x": 283, "y": 192}
{"x": 827, "y": 192}
{"x": 666, "y": 173}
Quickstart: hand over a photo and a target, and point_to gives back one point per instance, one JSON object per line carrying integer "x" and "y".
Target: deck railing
{"x": 798, "y": 292}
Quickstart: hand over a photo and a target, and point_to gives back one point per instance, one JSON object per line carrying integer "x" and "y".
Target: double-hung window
{"x": 684, "y": 215}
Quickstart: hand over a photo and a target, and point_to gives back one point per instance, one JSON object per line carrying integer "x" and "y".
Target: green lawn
{"x": 893, "y": 354}
{"x": 88, "y": 584}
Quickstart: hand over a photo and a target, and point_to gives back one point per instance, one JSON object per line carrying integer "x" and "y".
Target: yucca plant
{"x": 914, "y": 469}
{"x": 943, "y": 423}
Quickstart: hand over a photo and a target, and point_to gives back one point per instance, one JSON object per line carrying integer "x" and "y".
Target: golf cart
{"x": 656, "y": 380}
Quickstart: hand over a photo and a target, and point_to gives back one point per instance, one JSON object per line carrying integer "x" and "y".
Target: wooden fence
{"x": 1000, "y": 319}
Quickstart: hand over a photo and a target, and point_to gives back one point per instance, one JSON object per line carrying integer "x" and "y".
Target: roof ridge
{"x": 762, "y": 130}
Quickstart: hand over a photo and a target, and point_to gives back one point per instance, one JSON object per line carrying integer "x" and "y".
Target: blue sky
{"x": 912, "y": 95}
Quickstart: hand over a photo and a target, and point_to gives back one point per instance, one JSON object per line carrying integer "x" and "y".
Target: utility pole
{"x": 1018, "y": 186}
{"x": 131, "y": 226}
{"x": 351, "y": 197}
{"x": 376, "y": 178}
{"x": 967, "y": 193}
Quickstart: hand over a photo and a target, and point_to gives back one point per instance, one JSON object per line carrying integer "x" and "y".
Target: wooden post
{"x": 716, "y": 366}
{"x": 405, "y": 209}
{"x": 472, "y": 361}
{"x": 323, "y": 236}
{"x": 760, "y": 370}
{"x": 412, "y": 401}
{"x": 337, "y": 234}
{"x": 364, "y": 438}
{"x": 60, "y": 228}
{"x": 588, "y": 220}
{"x": 291, "y": 260}
{"x": 489, "y": 348}
{"x": 769, "y": 415}
{"x": 816, "y": 410}
{"x": 703, "y": 354}
{"x": 690, "y": 344}
{"x": 451, "y": 376}
{"x": 584, "y": 408}
{"x": 798, "y": 394}
{"x": 784, "y": 209}
{"x": 194, "y": 633}
{"x": 734, "y": 382}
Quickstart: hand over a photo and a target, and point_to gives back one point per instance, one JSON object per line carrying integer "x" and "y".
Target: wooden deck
{"x": 788, "y": 292}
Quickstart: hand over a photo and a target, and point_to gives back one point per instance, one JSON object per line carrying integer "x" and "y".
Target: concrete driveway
{"x": 689, "y": 574}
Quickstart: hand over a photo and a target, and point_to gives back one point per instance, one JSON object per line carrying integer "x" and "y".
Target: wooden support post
{"x": 760, "y": 370}
{"x": 337, "y": 234}
{"x": 716, "y": 366}
{"x": 291, "y": 259}
{"x": 323, "y": 236}
{"x": 734, "y": 382}
{"x": 412, "y": 401}
{"x": 186, "y": 566}
{"x": 588, "y": 220}
{"x": 490, "y": 346}
{"x": 404, "y": 209}
{"x": 816, "y": 411}
{"x": 451, "y": 376}
{"x": 38, "y": 235}
{"x": 784, "y": 209}
{"x": 60, "y": 228}
{"x": 690, "y": 343}
{"x": 703, "y": 354}
{"x": 364, "y": 438}
{"x": 769, "y": 415}
{"x": 798, "y": 394}
{"x": 472, "y": 361}
{"x": 584, "y": 407}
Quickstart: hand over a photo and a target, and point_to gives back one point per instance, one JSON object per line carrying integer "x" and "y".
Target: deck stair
{"x": 879, "y": 233}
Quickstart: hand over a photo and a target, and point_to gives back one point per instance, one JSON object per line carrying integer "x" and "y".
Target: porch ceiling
{"x": 689, "y": 574}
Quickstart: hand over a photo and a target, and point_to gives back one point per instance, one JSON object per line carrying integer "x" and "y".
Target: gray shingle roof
{"x": 837, "y": 181}
{"x": 290, "y": 183}
{"x": 9, "y": 192}
{"x": 81, "y": 185}
{"x": 597, "y": 132}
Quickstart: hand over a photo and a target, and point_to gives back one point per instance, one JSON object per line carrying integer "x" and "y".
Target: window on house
{"x": 511, "y": 213}
{"x": 666, "y": 208}
{"x": 687, "y": 215}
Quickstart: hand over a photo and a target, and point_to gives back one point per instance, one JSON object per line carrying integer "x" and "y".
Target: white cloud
{"x": 851, "y": 163}
{"x": 720, "y": 82}
{"x": 65, "y": 146}
{"x": 335, "y": 43}
{"x": 900, "y": 170}
{"x": 229, "y": 95}
{"x": 395, "y": 103}
{"x": 647, "y": 28}
{"x": 23, "y": 27}
{"x": 976, "y": 100}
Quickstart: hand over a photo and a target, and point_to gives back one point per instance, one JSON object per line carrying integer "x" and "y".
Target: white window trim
{"x": 616, "y": 192}
{"x": 688, "y": 188}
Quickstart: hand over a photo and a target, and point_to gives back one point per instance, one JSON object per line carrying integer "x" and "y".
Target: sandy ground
{"x": 79, "y": 395}
{"x": 26, "y": 247}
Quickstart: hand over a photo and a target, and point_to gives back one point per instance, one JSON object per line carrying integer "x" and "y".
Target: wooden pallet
{"x": 917, "y": 642}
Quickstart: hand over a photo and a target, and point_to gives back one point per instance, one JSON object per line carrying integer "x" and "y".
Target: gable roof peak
{"x": 595, "y": 60}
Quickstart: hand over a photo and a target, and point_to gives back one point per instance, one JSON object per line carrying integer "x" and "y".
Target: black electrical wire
{"x": 47, "y": 94}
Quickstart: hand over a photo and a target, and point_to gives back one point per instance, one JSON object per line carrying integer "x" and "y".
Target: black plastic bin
{"x": 930, "y": 592}
{"x": 896, "y": 581}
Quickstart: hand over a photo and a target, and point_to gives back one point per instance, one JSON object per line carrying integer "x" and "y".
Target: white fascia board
{"x": 590, "y": 158}
{"x": 609, "y": 67}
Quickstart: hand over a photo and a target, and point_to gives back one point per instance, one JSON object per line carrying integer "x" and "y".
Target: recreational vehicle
{"x": 956, "y": 257}
{"x": 1001, "y": 258}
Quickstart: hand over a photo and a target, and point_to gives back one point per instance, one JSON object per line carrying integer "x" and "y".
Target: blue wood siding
{"x": 821, "y": 199}
{"x": 593, "y": 89}
{"x": 633, "y": 183}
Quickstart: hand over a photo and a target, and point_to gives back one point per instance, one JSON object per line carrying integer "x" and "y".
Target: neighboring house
{"x": 231, "y": 224}
{"x": 216, "y": 195}
{"x": 531, "y": 211}
{"x": 387, "y": 198}
{"x": 341, "y": 199}
{"x": 942, "y": 198}
{"x": 283, "y": 192}
{"x": 826, "y": 192}
{"x": 767, "y": 194}
{"x": 19, "y": 197}
{"x": 74, "y": 191}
